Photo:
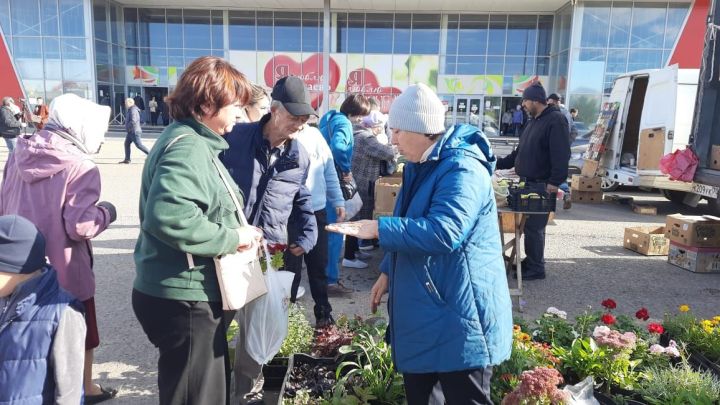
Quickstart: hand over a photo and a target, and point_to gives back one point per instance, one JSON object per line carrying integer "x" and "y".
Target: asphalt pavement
{"x": 586, "y": 263}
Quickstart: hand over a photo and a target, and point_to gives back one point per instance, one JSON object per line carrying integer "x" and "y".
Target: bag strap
{"x": 240, "y": 214}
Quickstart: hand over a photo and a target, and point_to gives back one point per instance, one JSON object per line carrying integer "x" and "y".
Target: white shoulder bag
{"x": 239, "y": 274}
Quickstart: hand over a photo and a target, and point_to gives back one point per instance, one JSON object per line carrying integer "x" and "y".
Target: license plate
{"x": 705, "y": 190}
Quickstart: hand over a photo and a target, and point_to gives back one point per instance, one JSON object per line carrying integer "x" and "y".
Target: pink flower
{"x": 537, "y": 385}
{"x": 657, "y": 349}
{"x": 614, "y": 339}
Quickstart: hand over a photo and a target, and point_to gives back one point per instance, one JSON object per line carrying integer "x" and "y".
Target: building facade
{"x": 479, "y": 61}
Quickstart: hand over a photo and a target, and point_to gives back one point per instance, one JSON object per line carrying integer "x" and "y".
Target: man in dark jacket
{"x": 133, "y": 129}
{"x": 271, "y": 168}
{"x": 10, "y": 126}
{"x": 541, "y": 160}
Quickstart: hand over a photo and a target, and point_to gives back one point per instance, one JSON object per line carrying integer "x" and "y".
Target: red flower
{"x": 274, "y": 248}
{"x": 609, "y": 304}
{"x": 655, "y": 328}
{"x": 642, "y": 314}
{"x": 608, "y": 319}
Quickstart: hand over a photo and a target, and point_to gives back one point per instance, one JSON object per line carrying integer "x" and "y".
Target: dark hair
{"x": 435, "y": 136}
{"x": 573, "y": 110}
{"x": 208, "y": 81}
{"x": 355, "y": 104}
{"x": 372, "y": 101}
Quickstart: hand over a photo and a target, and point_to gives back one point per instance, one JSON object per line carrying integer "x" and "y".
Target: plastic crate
{"x": 541, "y": 202}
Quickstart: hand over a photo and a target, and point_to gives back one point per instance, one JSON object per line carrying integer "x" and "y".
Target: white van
{"x": 654, "y": 119}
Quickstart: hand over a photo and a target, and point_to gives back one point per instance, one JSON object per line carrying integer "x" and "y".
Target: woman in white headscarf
{"x": 52, "y": 180}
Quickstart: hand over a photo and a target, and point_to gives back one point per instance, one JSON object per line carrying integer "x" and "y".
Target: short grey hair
{"x": 7, "y": 100}
{"x": 129, "y": 101}
{"x": 276, "y": 104}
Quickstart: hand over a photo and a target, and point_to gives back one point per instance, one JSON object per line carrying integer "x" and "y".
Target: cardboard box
{"x": 693, "y": 230}
{"x": 647, "y": 240}
{"x": 715, "y": 157}
{"x": 589, "y": 197}
{"x": 644, "y": 209}
{"x": 583, "y": 183}
{"x": 695, "y": 259}
{"x": 590, "y": 167}
{"x": 386, "y": 191}
{"x": 651, "y": 147}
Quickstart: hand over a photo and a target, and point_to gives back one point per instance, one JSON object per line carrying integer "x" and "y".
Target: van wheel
{"x": 608, "y": 185}
{"x": 674, "y": 195}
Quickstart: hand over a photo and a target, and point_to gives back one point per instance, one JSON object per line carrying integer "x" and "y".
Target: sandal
{"x": 106, "y": 393}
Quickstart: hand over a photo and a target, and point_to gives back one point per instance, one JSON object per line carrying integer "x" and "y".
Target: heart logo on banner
{"x": 364, "y": 81}
{"x": 310, "y": 70}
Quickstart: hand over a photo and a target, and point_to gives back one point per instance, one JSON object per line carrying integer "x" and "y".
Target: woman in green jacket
{"x": 187, "y": 217}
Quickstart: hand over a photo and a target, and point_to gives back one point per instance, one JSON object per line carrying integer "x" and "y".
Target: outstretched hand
{"x": 363, "y": 229}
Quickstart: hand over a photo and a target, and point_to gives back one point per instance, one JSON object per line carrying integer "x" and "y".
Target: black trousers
{"x": 352, "y": 245}
{"x": 193, "y": 367}
{"x": 467, "y": 387}
{"x": 315, "y": 261}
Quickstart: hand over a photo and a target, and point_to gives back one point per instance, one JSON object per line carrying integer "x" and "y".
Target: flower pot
{"x": 702, "y": 362}
{"x": 299, "y": 360}
{"x": 603, "y": 399}
{"x": 274, "y": 373}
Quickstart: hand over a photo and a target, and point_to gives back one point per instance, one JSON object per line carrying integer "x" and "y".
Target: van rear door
{"x": 657, "y": 125}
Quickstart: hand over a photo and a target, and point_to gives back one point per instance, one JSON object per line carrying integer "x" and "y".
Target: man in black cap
{"x": 42, "y": 338}
{"x": 271, "y": 168}
{"x": 541, "y": 160}
{"x": 554, "y": 100}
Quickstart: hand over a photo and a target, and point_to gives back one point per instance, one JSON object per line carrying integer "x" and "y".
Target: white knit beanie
{"x": 418, "y": 109}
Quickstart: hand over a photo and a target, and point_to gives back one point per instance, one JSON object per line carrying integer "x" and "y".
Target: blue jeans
{"x": 134, "y": 137}
{"x": 335, "y": 243}
{"x": 10, "y": 142}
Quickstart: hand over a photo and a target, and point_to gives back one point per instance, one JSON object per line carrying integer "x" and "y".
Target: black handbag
{"x": 348, "y": 188}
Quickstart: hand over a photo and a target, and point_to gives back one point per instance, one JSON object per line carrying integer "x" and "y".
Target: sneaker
{"x": 363, "y": 256}
{"x": 567, "y": 204}
{"x": 367, "y": 247}
{"x": 124, "y": 162}
{"x": 355, "y": 264}
{"x": 338, "y": 289}
{"x": 300, "y": 292}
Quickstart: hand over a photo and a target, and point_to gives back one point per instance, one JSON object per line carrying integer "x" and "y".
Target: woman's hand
{"x": 249, "y": 237}
{"x": 363, "y": 229}
{"x": 377, "y": 291}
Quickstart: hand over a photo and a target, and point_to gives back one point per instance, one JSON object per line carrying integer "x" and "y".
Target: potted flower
{"x": 679, "y": 384}
{"x": 701, "y": 336}
{"x": 538, "y": 387}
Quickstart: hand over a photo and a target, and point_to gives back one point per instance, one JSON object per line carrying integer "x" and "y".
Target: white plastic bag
{"x": 581, "y": 393}
{"x": 266, "y": 318}
{"x": 353, "y": 206}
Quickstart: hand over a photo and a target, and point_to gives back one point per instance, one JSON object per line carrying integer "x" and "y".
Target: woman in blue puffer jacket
{"x": 449, "y": 304}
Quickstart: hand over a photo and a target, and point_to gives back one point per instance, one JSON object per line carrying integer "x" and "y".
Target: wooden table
{"x": 511, "y": 248}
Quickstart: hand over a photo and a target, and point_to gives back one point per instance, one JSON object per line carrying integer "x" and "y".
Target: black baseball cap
{"x": 293, "y": 94}
{"x": 554, "y": 96}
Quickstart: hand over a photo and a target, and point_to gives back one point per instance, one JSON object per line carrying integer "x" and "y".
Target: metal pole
{"x": 326, "y": 58}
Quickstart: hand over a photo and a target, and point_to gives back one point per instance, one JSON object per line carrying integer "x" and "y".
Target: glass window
{"x": 676, "y": 14}
{"x": 102, "y": 52}
{"x": 144, "y": 57}
{"x": 565, "y": 29}
{"x": 117, "y": 55}
{"x": 72, "y": 18}
{"x": 51, "y": 48}
{"x": 288, "y": 35}
{"x": 451, "y": 42}
{"x": 542, "y": 66}
{"x": 497, "y": 34}
{"x": 401, "y": 39}
{"x": 192, "y": 54}
{"x": 25, "y": 17}
{"x": 27, "y": 47}
{"x": 620, "y": 24}
{"x": 495, "y": 65}
{"x": 175, "y": 57}
{"x": 103, "y": 73}
{"x": 617, "y": 60}
{"x": 73, "y": 48}
{"x": 647, "y": 25}
{"x": 597, "y": 55}
{"x": 82, "y": 89}
{"x": 545, "y": 26}
{"x": 595, "y": 25}
{"x": 242, "y": 30}
{"x": 100, "y": 20}
{"x": 379, "y": 33}
{"x": 519, "y": 65}
{"x": 5, "y": 17}
{"x": 311, "y": 32}
{"x": 196, "y": 29}
{"x": 114, "y": 25}
{"x": 132, "y": 57}
{"x": 470, "y": 65}
{"x": 131, "y": 27}
{"x": 174, "y": 28}
{"x": 53, "y": 88}
{"x": 425, "y": 34}
{"x": 49, "y": 17}
{"x": 218, "y": 39}
{"x": 152, "y": 27}
{"x": 264, "y": 31}
{"x": 521, "y": 35}
{"x": 644, "y": 59}
{"x": 473, "y": 35}
{"x": 450, "y": 64}
{"x": 355, "y": 33}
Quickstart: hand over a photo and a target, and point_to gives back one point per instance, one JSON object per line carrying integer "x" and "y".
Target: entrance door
{"x": 468, "y": 110}
{"x": 159, "y": 93}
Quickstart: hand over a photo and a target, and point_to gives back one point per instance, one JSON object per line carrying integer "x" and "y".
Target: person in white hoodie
{"x": 323, "y": 183}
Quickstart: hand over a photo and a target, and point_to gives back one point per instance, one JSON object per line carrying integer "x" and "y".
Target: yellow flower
{"x": 684, "y": 308}
{"x": 716, "y": 318}
{"x": 524, "y": 337}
